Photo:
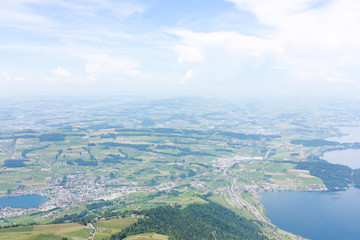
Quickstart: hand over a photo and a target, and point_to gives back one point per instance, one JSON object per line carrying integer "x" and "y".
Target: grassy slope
{"x": 54, "y": 231}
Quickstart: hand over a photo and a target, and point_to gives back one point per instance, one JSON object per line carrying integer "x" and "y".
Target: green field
{"x": 57, "y": 231}
{"x": 103, "y": 159}
{"x": 153, "y": 236}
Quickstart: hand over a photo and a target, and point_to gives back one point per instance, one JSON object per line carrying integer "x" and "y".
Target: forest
{"x": 335, "y": 176}
{"x": 314, "y": 142}
{"x": 196, "y": 221}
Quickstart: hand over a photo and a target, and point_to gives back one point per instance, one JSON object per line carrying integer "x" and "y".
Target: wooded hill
{"x": 196, "y": 221}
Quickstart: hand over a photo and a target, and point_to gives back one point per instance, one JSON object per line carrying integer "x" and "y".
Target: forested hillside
{"x": 197, "y": 221}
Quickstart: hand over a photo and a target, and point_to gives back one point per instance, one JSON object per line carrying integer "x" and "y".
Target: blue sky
{"x": 176, "y": 47}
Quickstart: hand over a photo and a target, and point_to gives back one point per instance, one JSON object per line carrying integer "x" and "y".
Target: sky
{"x": 177, "y": 47}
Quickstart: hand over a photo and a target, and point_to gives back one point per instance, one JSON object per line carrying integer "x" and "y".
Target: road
{"x": 267, "y": 154}
{"x": 92, "y": 236}
{"x": 241, "y": 203}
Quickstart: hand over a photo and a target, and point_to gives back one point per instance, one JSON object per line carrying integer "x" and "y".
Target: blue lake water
{"x": 316, "y": 215}
{"x": 349, "y": 157}
{"x": 351, "y": 134}
{"x": 321, "y": 215}
{"x": 25, "y": 201}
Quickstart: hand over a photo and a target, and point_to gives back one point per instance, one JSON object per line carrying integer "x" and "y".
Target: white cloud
{"x": 119, "y": 9}
{"x": 61, "y": 72}
{"x": 19, "y": 79}
{"x": 70, "y": 80}
{"x": 108, "y": 65}
{"x": 292, "y": 40}
{"x": 224, "y": 55}
{"x": 198, "y": 46}
{"x": 5, "y": 77}
{"x": 336, "y": 77}
{"x": 25, "y": 11}
{"x": 188, "y": 74}
{"x": 317, "y": 39}
{"x": 64, "y": 76}
{"x": 103, "y": 69}
{"x": 189, "y": 54}
{"x": 18, "y": 12}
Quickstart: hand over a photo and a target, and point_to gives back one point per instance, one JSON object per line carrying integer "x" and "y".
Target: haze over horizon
{"x": 197, "y": 47}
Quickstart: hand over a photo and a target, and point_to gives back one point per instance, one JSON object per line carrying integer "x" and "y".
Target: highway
{"x": 241, "y": 203}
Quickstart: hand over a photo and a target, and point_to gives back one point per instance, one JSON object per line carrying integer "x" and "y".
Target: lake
{"x": 349, "y": 157}
{"x": 316, "y": 215}
{"x": 321, "y": 215}
{"x": 25, "y": 201}
{"x": 352, "y": 134}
